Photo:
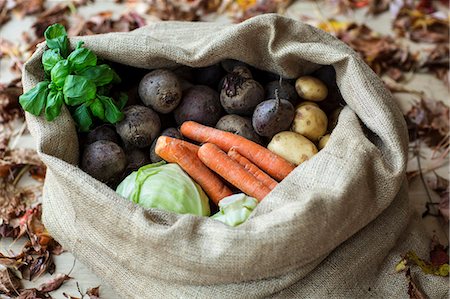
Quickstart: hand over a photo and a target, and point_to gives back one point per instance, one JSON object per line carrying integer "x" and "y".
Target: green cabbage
{"x": 167, "y": 187}
{"x": 235, "y": 209}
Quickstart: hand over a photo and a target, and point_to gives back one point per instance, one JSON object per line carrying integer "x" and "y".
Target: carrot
{"x": 253, "y": 169}
{"x": 269, "y": 162}
{"x": 181, "y": 152}
{"x": 232, "y": 171}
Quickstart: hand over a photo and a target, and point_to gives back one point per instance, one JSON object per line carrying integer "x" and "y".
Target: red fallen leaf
{"x": 33, "y": 294}
{"x": 54, "y": 283}
{"x": 438, "y": 253}
{"x": 9, "y": 283}
{"x": 414, "y": 291}
{"x": 93, "y": 293}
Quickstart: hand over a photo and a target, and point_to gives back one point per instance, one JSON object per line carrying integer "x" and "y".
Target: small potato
{"x": 294, "y": 147}
{"x": 310, "y": 88}
{"x": 323, "y": 141}
{"x": 310, "y": 121}
{"x": 307, "y": 103}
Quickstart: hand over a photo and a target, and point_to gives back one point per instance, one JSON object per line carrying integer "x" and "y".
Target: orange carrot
{"x": 181, "y": 152}
{"x": 232, "y": 171}
{"x": 253, "y": 169}
{"x": 269, "y": 162}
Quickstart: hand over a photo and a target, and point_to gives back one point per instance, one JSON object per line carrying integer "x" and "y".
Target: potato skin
{"x": 201, "y": 104}
{"x": 323, "y": 141}
{"x": 161, "y": 90}
{"x": 293, "y": 147}
{"x": 311, "y": 89}
{"x": 104, "y": 160}
{"x": 139, "y": 126}
{"x": 310, "y": 121}
{"x": 239, "y": 125}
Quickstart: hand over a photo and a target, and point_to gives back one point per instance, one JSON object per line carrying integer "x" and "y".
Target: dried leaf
{"x": 429, "y": 120}
{"x": 28, "y": 7}
{"x": 33, "y": 294}
{"x": 186, "y": 10}
{"x": 54, "y": 283}
{"x": 427, "y": 267}
{"x": 9, "y": 101}
{"x": 377, "y": 7}
{"x": 4, "y": 12}
{"x": 438, "y": 253}
{"x": 420, "y": 26}
{"x": 40, "y": 265}
{"x": 9, "y": 283}
{"x": 93, "y": 293}
{"x": 414, "y": 291}
{"x": 245, "y": 9}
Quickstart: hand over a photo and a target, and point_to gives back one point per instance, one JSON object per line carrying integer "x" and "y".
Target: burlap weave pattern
{"x": 347, "y": 205}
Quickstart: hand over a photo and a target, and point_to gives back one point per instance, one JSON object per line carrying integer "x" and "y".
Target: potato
{"x": 104, "y": 160}
{"x": 311, "y": 89}
{"x": 310, "y": 121}
{"x": 139, "y": 126}
{"x": 160, "y": 90}
{"x": 200, "y": 104}
{"x": 323, "y": 141}
{"x": 293, "y": 147}
{"x": 238, "y": 125}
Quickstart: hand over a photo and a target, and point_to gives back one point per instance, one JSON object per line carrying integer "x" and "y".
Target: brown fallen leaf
{"x": 429, "y": 120}
{"x": 28, "y": 7}
{"x": 9, "y": 101}
{"x": 33, "y": 294}
{"x": 420, "y": 26}
{"x": 9, "y": 283}
{"x": 54, "y": 283}
{"x": 438, "y": 253}
{"x": 93, "y": 293}
{"x": 440, "y": 185}
{"x": 377, "y": 7}
{"x": 4, "y": 12}
{"x": 414, "y": 291}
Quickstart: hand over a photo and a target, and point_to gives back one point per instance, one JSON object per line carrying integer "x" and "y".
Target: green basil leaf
{"x": 33, "y": 101}
{"x": 97, "y": 109}
{"x": 56, "y": 38}
{"x": 116, "y": 79}
{"x": 82, "y": 118}
{"x": 60, "y": 72}
{"x": 100, "y": 74}
{"x": 50, "y": 58}
{"x": 123, "y": 99}
{"x": 82, "y": 58}
{"x": 55, "y": 100}
{"x": 78, "y": 89}
{"x": 112, "y": 113}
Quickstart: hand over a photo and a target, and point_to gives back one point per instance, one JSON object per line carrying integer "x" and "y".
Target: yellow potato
{"x": 310, "y": 121}
{"x": 311, "y": 89}
{"x": 307, "y": 103}
{"x": 323, "y": 141}
{"x": 293, "y": 147}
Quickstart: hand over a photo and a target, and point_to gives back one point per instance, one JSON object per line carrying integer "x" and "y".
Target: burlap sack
{"x": 324, "y": 232}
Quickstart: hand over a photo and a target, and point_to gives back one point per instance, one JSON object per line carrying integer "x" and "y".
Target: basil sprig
{"x": 76, "y": 80}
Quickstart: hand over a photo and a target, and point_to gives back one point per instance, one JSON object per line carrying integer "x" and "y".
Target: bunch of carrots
{"x": 244, "y": 164}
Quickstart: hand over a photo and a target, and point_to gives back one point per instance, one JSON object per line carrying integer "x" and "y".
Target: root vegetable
{"x": 139, "y": 127}
{"x": 233, "y": 172}
{"x": 323, "y": 141}
{"x": 201, "y": 104}
{"x": 209, "y": 75}
{"x": 272, "y": 164}
{"x": 104, "y": 160}
{"x": 175, "y": 151}
{"x": 103, "y": 132}
{"x": 240, "y": 94}
{"x": 293, "y": 147}
{"x": 311, "y": 89}
{"x": 282, "y": 90}
{"x": 161, "y": 90}
{"x": 238, "y": 125}
{"x": 170, "y": 132}
{"x": 272, "y": 116}
{"x": 310, "y": 121}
